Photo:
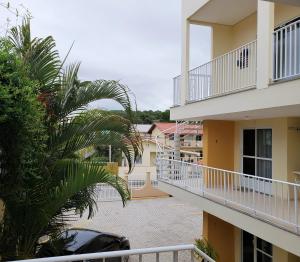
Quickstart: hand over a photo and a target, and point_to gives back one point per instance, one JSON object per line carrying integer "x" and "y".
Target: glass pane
{"x": 264, "y": 143}
{"x": 262, "y": 257}
{"x": 264, "y": 246}
{"x": 249, "y": 142}
{"x": 264, "y": 168}
{"x": 248, "y": 248}
{"x": 249, "y": 166}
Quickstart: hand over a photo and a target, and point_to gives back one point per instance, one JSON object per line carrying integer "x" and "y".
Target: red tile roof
{"x": 170, "y": 128}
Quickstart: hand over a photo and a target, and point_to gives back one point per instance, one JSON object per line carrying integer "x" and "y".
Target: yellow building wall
{"x": 227, "y": 38}
{"x": 293, "y": 147}
{"x": 221, "y": 39}
{"x": 284, "y": 13}
{"x": 218, "y": 144}
{"x": 221, "y": 236}
{"x": 245, "y": 31}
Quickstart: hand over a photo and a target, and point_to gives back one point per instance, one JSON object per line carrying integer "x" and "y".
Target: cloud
{"x": 134, "y": 41}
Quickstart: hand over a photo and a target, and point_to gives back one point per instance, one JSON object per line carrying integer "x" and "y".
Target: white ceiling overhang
{"x": 226, "y": 12}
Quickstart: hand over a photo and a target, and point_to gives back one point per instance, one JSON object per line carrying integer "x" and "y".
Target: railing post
{"x": 296, "y": 208}
{"x": 175, "y": 256}
{"x": 192, "y": 255}
{"x": 224, "y": 178}
{"x": 157, "y": 257}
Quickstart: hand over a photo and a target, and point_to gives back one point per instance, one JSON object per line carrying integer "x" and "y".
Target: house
{"x": 190, "y": 138}
{"x": 145, "y": 163}
{"x": 248, "y": 99}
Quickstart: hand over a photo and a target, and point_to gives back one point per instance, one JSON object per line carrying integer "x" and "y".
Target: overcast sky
{"x": 134, "y": 41}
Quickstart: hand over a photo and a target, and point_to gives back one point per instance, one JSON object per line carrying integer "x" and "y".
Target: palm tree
{"x": 65, "y": 186}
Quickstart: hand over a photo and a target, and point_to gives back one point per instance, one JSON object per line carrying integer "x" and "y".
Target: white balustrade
{"x": 125, "y": 254}
{"x": 268, "y": 199}
{"x": 286, "y": 50}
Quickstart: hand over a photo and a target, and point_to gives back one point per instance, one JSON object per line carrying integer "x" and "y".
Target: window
{"x": 255, "y": 249}
{"x": 138, "y": 160}
{"x": 198, "y": 137}
{"x": 257, "y": 152}
{"x": 171, "y": 136}
{"x": 243, "y": 59}
{"x": 257, "y": 158}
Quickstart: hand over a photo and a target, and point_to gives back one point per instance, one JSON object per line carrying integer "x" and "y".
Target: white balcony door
{"x": 255, "y": 249}
{"x": 257, "y": 158}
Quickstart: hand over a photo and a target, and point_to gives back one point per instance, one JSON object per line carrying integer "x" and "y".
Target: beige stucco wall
{"x": 284, "y": 13}
{"x": 147, "y": 164}
{"x": 227, "y": 38}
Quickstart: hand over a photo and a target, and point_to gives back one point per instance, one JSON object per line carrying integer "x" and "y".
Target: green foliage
{"x": 206, "y": 247}
{"x": 43, "y": 125}
{"x": 23, "y": 135}
{"x": 148, "y": 117}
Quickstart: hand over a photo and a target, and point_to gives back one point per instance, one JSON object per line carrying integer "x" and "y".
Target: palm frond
{"x": 96, "y": 128}
{"x": 87, "y": 92}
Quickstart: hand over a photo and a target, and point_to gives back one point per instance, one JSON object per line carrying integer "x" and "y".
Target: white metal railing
{"x": 271, "y": 200}
{"x": 176, "y": 90}
{"x": 286, "y": 49}
{"x": 106, "y": 192}
{"x": 230, "y": 72}
{"x": 124, "y": 255}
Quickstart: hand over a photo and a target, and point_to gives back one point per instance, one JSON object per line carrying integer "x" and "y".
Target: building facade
{"x": 248, "y": 99}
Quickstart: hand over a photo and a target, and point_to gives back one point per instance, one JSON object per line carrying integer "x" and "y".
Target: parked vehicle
{"x": 82, "y": 241}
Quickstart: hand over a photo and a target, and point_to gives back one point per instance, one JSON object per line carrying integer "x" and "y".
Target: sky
{"x": 137, "y": 42}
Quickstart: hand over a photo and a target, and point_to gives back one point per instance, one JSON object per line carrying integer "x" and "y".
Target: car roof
{"x": 82, "y": 237}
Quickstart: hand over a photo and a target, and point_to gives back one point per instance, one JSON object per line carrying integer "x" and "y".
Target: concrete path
{"x": 149, "y": 223}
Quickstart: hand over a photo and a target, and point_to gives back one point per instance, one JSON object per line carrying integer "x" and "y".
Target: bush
{"x": 206, "y": 247}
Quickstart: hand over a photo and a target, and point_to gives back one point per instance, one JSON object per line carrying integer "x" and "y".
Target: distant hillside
{"x": 148, "y": 117}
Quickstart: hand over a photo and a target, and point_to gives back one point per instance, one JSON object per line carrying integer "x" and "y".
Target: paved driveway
{"x": 149, "y": 223}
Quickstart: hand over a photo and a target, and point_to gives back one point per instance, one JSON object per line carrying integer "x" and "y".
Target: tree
{"x": 62, "y": 186}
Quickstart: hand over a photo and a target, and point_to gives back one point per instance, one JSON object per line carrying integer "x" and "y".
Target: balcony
{"x": 232, "y": 72}
{"x": 150, "y": 254}
{"x": 273, "y": 201}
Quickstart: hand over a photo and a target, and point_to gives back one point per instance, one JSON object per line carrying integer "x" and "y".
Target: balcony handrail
{"x": 221, "y": 56}
{"x": 237, "y": 173}
{"x": 271, "y": 200}
{"x": 177, "y": 77}
{"x": 286, "y": 25}
{"x": 125, "y": 253}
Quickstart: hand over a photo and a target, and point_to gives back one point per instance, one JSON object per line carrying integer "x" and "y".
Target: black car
{"x": 82, "y": 241}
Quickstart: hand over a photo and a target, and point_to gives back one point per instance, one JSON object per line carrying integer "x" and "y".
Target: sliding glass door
{"x": 254, "y": 249}
{"x": 257, "y": 158}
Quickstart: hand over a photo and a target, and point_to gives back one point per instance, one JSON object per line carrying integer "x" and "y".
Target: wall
{"x": 147, "y": 164}
{"x": 218, "y": 144}
{"x": 284, "y": 13}
{"x": 293, "y": 148}
{"x": 220, "y": 235}
{"x": 227, "y": 38}
{"x": 245, "y": 31}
